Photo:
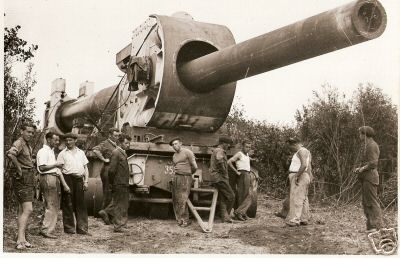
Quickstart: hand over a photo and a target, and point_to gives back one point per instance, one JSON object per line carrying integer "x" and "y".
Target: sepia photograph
{"x": 200, "y": 127}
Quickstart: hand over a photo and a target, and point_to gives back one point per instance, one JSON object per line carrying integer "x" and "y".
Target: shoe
{"x": 119, "y": 230}
{"x": 303, "y": 223}
{"x": 46, "y": 235}
{"x": 104, "y": 217}
{"x": 227, "y": 220}
{"x": 372, "y": 230}
{"x": 185, "y": 224}
{"x": 84, "y": 233}
{"x": 246, "y": 217}
{"x": 280, "y": 215}
{"x": 292, "y": 224}
{"x": 20, "y": 246}
{"x": 27, "y": 244}
{"x": 239, "y": 216}
{"x": 69, "y": 232}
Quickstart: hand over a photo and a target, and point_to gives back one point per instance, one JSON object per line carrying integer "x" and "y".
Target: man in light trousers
{"x": 300, "y": 177}
{"x": 50, "y": 177}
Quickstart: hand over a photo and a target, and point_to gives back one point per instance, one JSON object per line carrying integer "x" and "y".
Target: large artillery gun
{"x": 179, "y": 80}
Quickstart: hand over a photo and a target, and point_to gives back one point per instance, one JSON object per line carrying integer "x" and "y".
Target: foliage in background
{"x": 18, "y": 106}
{"x": 269, "y": 148}
{"x": 328, "y": 126}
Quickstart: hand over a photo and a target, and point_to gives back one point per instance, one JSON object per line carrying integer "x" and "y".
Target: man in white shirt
{"x": 300, "y": 177}
{"x": 76, "y": 175}
{"x": 49, "y": 172}
{"x": 242, "y": 169}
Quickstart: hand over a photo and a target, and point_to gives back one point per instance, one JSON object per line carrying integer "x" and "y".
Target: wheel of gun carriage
{"x": 94, "y": 196}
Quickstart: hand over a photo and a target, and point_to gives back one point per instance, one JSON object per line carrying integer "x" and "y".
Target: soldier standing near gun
{"x": 103, "y": 152}
{"x": 242, "y": 161}
{"x": 369, "y": 178}
{"x": 220, "y": 180}
{"x": 23, "y": 172}
{"x": 184, "y": 166}
{"x": 50, "y": 177}
{"x": 118, "y": 175}
{"x": 300, "y": 177}
{"x": 76, "y": 174}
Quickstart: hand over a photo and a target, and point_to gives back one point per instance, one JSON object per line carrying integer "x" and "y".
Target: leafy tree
{"x": 268, "y": 141}
{"x": 18, "y": 107}
{"x": 329, "y": 124}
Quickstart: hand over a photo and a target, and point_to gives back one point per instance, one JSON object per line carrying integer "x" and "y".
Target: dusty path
{"x": 333, "y": 231}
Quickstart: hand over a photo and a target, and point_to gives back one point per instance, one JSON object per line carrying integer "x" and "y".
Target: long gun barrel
{"x": 329, "y": 31}
{"x": 181, "y": 74}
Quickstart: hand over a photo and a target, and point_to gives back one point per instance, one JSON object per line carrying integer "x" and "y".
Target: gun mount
{"x": 181, "y": 74}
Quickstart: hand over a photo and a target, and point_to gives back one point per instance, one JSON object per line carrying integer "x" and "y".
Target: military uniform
{"x": 220, "y": 180}
{"x": 118, "y": 175}
{"x": 106, "y": 148}
{"x": 23, "y": 185}
{"x": 369, "y": 179}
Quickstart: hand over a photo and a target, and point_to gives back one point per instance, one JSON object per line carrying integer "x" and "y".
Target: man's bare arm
{"x": 192, "y": 161}
{"x": 303, "y": 155}
{"x": 235, "y": 158}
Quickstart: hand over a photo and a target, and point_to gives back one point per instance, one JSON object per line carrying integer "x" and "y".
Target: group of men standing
{"x": 185, "y": 166}
{"x": 295, "y": 209}
{"x": 64, "y": 178}
{"x": 65, "y": 174}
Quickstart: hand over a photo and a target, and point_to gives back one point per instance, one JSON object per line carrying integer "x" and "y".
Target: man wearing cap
{"x": 118, "y": 177}
{"x": 300, "y": 177}
{"x": 76, "y": 175}
{"x": 184, "y": 166}
{"x": 22, "y": 172}
{"x": 103, "y": 152}
{"x": 369, "y": 178}
{"x": 220, "y": 179}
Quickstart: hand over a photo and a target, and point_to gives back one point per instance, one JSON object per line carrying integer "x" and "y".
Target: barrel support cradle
{"x": 206, "y": 227}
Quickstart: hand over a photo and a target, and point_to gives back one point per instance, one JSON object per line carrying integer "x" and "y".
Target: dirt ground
{"x": 332, "y": 231}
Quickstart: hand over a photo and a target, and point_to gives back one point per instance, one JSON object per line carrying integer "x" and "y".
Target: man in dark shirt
{"x": 184, "y": 165}
{"x": 103, "y": 152}
{"x": 23, "y": 179}
{"x": 369, "y": 178}
{"x": 220, "y": 179}
{"x": 118, "y": 176}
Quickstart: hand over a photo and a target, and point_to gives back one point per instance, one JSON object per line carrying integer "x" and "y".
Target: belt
{"x": 73, "y": 175}
{"x": 48, "y": 174}
{"x": 27, "y": 169}
{"x": 242, "y": 170}
{"x": 183, "y": 174}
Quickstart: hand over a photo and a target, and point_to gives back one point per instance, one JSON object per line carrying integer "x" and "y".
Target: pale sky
{"x": 78, "y": 41}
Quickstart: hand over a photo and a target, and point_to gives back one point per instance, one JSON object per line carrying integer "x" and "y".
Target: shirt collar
{"x": 47, "y": 147}
{"x": 23, "y": 140}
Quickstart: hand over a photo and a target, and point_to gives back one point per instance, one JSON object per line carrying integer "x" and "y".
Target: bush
{"x": 328, "y": 126}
